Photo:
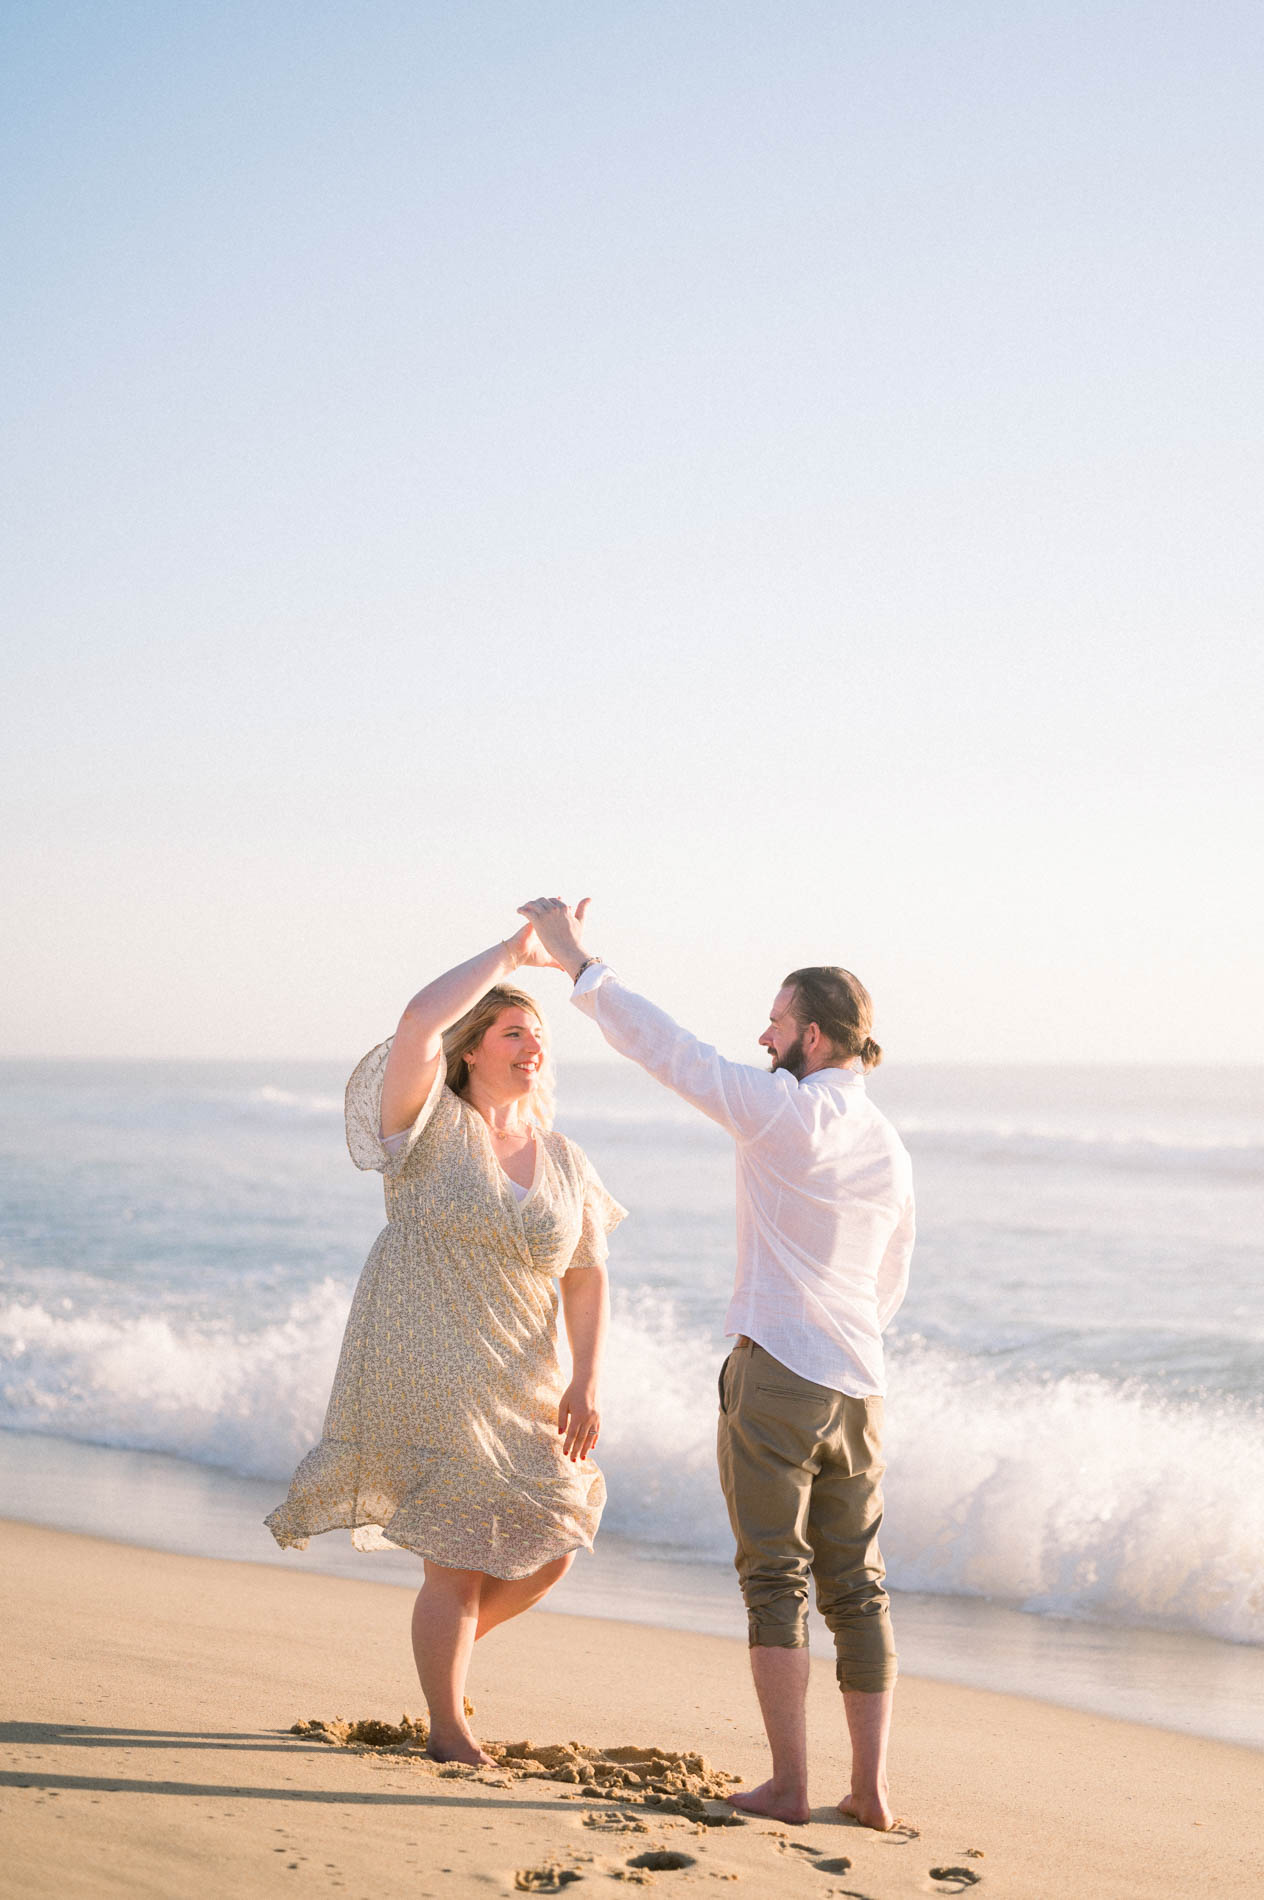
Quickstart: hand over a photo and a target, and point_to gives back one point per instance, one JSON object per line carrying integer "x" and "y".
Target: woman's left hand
{"x": 579, "y": 1419}
{"x": 528, "y": 951}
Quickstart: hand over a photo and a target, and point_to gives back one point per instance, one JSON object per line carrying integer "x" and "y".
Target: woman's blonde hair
{"x": 465, "y": 1035}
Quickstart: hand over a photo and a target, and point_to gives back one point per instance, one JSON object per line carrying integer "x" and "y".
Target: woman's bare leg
{"x": 453, "y": 1609}
{"x": 445, "y": 1621}
{"x": 501, "y": 1599}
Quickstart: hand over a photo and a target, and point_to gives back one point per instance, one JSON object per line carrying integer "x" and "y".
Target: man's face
{"x": 783, "y": 1038}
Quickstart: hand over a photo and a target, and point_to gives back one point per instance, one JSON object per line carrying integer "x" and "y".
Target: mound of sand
{"x": 658, "y": 1778}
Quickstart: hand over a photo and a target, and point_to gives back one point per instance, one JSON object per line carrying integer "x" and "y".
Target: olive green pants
{"x": 801, "y": 1467}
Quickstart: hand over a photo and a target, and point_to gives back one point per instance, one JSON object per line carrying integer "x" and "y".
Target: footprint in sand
{"x": 662, "y": 1860}
{"x": 957, "y": 1878}
{"x": 547, "y": 1879}
{"x": 840, "y": 1866}
{"x": 613, "y": 1822}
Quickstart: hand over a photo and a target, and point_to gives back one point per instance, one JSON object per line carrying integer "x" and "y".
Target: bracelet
{"x": 585, "y": 965}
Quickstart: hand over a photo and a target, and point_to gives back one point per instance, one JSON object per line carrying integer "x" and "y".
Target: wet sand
{"x": 147, "y": 1751}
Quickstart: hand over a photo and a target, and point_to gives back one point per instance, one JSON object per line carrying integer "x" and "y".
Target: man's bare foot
{"x": 870, "y": 1810}
{"x": 458, "y": 1747}
{"x": 772, "y": 1801}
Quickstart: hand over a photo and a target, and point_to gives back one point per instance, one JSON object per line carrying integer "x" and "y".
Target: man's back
{"x": 824, "y": 1204}
{"x": 825, "y": 1230}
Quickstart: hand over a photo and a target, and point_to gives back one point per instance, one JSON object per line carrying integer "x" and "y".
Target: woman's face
{"x": 507, "y": 1060}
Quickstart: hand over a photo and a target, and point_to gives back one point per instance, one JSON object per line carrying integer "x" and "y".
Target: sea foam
{"x": 1069, "y": 1495}
{"x": 251, "y": 1402}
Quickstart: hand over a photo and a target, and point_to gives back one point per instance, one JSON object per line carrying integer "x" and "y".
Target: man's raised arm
{"x": 741, "y": 1098}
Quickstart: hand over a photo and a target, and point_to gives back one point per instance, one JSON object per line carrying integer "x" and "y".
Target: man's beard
{"x": 793, "y": 1061}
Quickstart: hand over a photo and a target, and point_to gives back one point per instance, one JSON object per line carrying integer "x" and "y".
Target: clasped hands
{"x": 551, "y": 937}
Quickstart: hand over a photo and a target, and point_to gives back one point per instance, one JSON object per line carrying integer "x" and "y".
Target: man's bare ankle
{"x": 778, "y": 1801}
{"x": 872, "y": 1808}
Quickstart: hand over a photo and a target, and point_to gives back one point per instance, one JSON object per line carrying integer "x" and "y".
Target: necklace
{"x": 501, "y": 1134}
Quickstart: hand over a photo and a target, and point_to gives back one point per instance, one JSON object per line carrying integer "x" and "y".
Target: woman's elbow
{"x": 585, "y": 1280}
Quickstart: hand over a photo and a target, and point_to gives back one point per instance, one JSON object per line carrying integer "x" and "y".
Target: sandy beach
{"x": 148, "y": 1752}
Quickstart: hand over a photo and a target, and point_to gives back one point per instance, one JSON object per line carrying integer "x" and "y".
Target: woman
{"x": 448, "y": 1430}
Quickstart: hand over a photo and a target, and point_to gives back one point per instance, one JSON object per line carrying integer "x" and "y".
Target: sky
{"x": 790, "y": 472}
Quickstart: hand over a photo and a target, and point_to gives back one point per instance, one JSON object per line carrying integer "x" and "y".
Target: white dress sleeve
{"x": 602, "y": 1214}
{"x": 365, "y": 1142}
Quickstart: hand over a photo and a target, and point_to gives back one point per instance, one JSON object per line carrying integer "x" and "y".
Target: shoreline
{"x": 1177, "y": 1681}
{"x": 148, "y": 1752}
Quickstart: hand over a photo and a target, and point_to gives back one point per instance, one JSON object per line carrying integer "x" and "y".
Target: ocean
{"x": 1075, "y": 1420}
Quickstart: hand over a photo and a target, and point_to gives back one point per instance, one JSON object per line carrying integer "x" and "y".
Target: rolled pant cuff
{"x": 769, "y": 1633}
{"x": 867, "y": 1678}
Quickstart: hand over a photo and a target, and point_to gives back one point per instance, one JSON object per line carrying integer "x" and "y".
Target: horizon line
{"x": 616, "y": 1061}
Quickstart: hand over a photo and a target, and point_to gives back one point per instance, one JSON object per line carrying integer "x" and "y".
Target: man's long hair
{"x": 840, "y": 1006}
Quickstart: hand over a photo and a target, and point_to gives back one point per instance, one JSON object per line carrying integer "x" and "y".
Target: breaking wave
{"x": 1070, "y": 1495}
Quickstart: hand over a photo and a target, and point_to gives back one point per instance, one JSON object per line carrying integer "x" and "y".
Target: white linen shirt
{"x": 824, "y": 1192}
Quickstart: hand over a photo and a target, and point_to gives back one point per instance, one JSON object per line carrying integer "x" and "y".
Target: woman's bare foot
{"x": 870, "y": 1810}
{"x": 777, "y": 1803}
{"x": 458, "y": 1746}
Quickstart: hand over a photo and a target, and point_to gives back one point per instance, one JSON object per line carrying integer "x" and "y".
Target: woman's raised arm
{"x": 418, "y": 1043}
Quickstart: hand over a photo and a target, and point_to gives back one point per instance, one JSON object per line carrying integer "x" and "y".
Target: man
{"x": 824, "y": 1235}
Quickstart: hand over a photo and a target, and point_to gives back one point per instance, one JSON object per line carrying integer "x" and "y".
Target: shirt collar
{"x": 840, "y": 1078}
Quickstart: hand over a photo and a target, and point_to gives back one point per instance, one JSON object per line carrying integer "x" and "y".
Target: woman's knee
{"x": 461, "y": 1586}
{"x": 552, "y": 1573}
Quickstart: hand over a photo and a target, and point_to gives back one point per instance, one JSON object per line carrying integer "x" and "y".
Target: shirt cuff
{"x": 594, "y": 974}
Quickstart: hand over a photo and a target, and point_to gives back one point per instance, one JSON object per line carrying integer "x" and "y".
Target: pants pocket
{"x": 795, "y": 1394}
{"x": 720, "y": 1386}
